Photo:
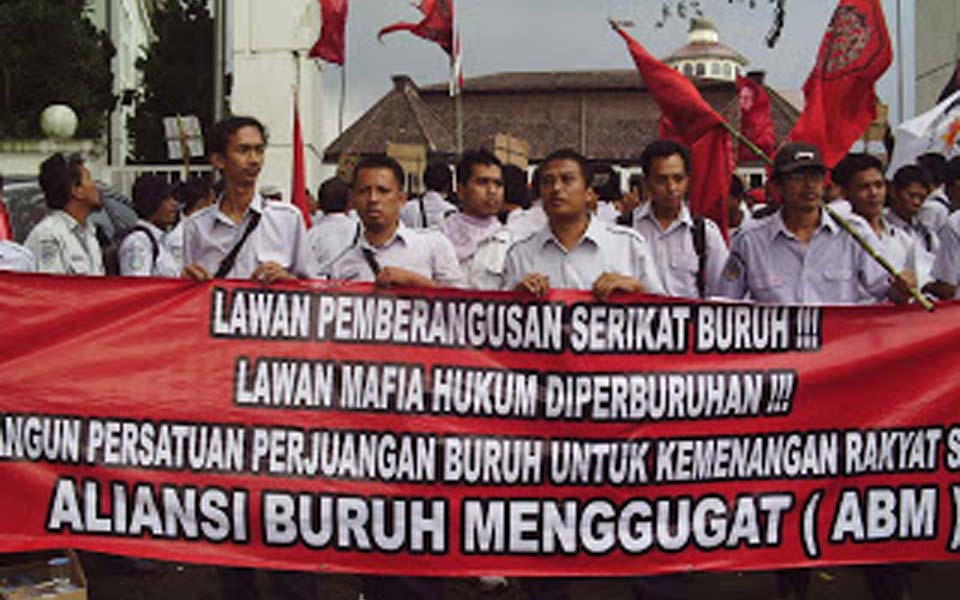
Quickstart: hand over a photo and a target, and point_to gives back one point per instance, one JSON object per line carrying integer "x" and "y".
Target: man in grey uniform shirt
{"x": 689, "y": 252}
{"x": 575, "y": 250}
{"x": 800, "y": 255}
{"x": 332, "y": 233}
{"x": 65, "y": 241}
{"x": 388, "y": 252}
{"x": 267, "y": 240}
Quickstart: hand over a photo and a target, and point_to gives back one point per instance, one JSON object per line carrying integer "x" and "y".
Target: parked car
{"x": 27, "y": 206}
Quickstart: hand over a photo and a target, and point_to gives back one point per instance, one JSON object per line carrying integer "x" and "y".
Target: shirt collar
{"x": 72, "y": 223}
{"x": 594, "y": 233}
{"x": 895, "y": 220}
{"x": 401, "y": 235}
{"x": 156, "y": 231}
{"x": 646, "y": 212}
{"x": 256, "y": 205}
{"x": 778, "y": 227}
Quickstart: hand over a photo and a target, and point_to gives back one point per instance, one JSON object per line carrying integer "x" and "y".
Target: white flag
{"x": 937, "y": 130}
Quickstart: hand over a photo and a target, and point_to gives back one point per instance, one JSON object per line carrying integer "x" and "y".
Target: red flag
{"x": 678, "y": 99}
{"x": 840, "y": 96}
{"x": 755, "y": 121}
{"x": 330, "y": 46}
{"x": 298, "y": 190}
{"x": 436, "y": 26}
{"x": 687, "y": 118}
{"x": 6, "y": 231}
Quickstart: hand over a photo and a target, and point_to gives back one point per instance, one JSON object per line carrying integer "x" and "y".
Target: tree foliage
{"x": 685, "y": 9}
{"x": 177, "y": 75}
{"x": 50, "y": 52}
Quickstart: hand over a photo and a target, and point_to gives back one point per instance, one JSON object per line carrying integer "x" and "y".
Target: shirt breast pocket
{"x": 838, "y": 274}
{"x": 685, "y": 263}
{"x": 766, "y": 279}
{"x": 78, "y": 263}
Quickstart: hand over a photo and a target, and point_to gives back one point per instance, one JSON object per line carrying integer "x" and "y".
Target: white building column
{"x": 264, "y": 37}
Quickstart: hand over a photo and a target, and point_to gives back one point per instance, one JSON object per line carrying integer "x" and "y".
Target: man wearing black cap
{"x": 142, "y": 252}
{"x": 800, "y": 254}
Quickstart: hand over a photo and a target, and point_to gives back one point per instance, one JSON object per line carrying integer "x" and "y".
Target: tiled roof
{"x": 401, "y": 117}
{"x": 606, "y": 115}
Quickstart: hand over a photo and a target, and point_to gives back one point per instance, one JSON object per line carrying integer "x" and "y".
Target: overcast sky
{"x": 543, "y": 35}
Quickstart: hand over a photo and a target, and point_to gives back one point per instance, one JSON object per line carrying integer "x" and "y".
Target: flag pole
{"x": 458, "y": 123}
{"x": 843, "y": 223}
{"x": 455, "y": 66}
{"x": 343, "y": 95}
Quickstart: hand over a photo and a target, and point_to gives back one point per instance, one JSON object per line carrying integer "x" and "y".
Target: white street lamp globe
{"x": 59, "y": 121}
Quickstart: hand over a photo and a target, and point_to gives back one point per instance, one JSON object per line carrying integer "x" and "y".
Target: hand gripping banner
{"x": 326, "y": 428}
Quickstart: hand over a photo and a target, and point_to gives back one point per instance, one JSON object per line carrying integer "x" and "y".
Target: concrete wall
{"x": 937, "y": 30}
{"x": 264, "y": 37}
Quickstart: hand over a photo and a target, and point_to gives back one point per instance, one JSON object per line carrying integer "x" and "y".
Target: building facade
{"x": 705, "y": 57}
{"x": 267, "y": 45}
{"x": 129, "y": 26}
{"x": 937, "y": 39}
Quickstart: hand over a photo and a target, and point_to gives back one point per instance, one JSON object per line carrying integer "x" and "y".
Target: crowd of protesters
{"x": 572, "y": 227}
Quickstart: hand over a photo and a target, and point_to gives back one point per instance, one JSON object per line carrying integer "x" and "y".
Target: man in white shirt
{"x": 480, "y": 189}
{"x": 429, "y": 210}
{"x": 388, "y": 252}
{"x": 937, "y": 206}
{"x": 143, "y": 252}
{"x": 689, "y": 251}
{"x": 335, "y": 231}
{"x": 244, "y": 236}
{"x": 65, "y": 241}
{"x": 866, "y": 190}
{"x": 192, "y": 197}
{"x": 575, "y": 250}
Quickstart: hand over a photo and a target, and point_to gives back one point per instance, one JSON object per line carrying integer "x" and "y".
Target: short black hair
{"x": 380, "y": 162}
{"x": 951, "y": 171}
{"x": 606, "y": 182}
{"x": 333, "y": 195}
{"x": 58, "y": 175}
{"x": 475, "y": 157}
{"x": 193, "y": 191}
{"x": 664, "y": 149}
{"x": 220, "y": 134}
{"x": 854, "y": 163}
{"x": 586, "y": 169}
{"x": 911, "y": 174}
{"x": 438, "y": 178}
{"x": 515, "y": 189}
{"x": 935, "y": 164}
{"x": 737, "y": 189}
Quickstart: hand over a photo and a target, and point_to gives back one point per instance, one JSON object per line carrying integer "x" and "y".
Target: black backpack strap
{"x": 423, "y": 212}
{"x": 927, "y": 236}
{"x": 154, "y": 245}
{"x": 228, "y": 261}
{"x": 699, "y": 232}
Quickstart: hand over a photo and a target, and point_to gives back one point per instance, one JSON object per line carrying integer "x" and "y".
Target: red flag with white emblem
{"x": 840, "y": 91}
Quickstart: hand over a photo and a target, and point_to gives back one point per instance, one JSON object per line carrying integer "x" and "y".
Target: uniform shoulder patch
{"x": 733, "y": 269}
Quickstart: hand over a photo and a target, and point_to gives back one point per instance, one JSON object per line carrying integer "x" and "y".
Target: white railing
{"x": 122, "y": 178}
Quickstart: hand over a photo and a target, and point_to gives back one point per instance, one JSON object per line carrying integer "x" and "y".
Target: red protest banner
{"x": 307, "y": 427}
